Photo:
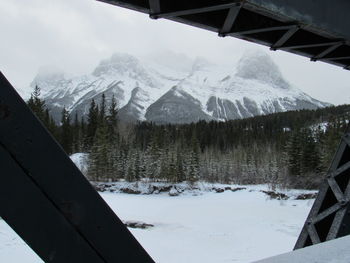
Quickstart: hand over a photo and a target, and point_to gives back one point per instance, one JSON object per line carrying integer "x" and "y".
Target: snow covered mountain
{"x": 173, "y": 88}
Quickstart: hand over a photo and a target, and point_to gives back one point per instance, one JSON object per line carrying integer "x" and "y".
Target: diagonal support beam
{"x": 346, "y": 139}
{"x": 337, "y": 224}
{"x": 326, "y": 213}
{"x": 230, "y": 20}
{"x": 327, "y": 51}
{"x": 343, "y": 168}
{"x": 336, "y": 189}
{"x": 286, "y": 36}
{"x": 195, "y": 10}
{"x": 313, "y": 234}
{"x": 42, "y": 219}
{"x": 76, "y": 222}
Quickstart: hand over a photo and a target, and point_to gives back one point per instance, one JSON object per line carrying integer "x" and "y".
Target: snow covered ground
{"x": 240, "y": 226}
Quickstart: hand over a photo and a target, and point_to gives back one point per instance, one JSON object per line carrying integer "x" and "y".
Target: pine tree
{"x": 102, "y": 110}
{"x": 77, "y": 135}
{"x": 293, "y": 149}
{"x": 193, "y": 160}
{"x": 37, "y": 105}
{"x": 93, "y": 117}
{"x": 113, "y": 121}
{"x": 66, "y": 139}
{"x": 180, "y": 173}
{"x": 99, "y": 162}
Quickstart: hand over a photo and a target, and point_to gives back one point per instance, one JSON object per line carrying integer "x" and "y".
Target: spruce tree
{"x": 102, "y": 109}
{"x": 36, "y": 104}
{"x": 99, "y": 162}
{"x": 66, "y": 139}
{"x": 92, "y": 123}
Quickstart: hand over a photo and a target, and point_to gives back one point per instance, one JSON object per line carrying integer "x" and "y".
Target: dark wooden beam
{"x": 230, "y": 20}
{"x": 286, "y": 36}
{"x": 195, "y": 10}
{"x": 327, "y": 51}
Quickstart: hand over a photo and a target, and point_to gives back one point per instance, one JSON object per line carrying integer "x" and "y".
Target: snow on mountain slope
{"x": 122, "y": 75}
{"x": 156, "y": 90}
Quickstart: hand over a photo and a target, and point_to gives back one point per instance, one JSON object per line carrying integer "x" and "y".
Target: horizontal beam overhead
{"x": 263, "y": 30}
{"x": 336, "y": 58}
{"x": 312, "y": 45}
{"x": 195, "y": 10}
{"x": 262, "y": 22}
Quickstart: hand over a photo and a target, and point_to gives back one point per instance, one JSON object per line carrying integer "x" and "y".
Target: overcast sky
{"x": 74, "y": 35}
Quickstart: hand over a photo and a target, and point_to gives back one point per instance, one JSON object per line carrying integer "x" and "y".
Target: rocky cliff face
{"x": 169, "y": 91}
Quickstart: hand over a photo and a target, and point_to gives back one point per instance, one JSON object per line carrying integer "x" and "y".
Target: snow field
{"x": 241, "y": 226}
{"x": 238, "y": 226}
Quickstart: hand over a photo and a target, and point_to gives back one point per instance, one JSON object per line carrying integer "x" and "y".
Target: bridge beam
{"x": 53, "y": 206}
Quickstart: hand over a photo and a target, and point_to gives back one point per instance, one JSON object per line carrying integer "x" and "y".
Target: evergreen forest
{"x": 290, "y": 149}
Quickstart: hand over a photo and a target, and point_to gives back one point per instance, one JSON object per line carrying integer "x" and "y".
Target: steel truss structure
{"x": 47, "y": 200}
{"x": 329, "y": 217}
{"x": 50, "y": 204}
{"x": 319, "y": 29}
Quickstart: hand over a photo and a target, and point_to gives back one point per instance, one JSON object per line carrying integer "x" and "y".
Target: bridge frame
{"x": 52, "y": 206}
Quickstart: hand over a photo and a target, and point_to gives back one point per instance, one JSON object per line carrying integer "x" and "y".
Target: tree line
{"x": 290, "y": 149}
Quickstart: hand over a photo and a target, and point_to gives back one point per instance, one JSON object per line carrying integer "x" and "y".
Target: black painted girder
{"x": 312, "y": 45}
{"x": 37, "y": 220}
{"x": 264, "y": 30}
{"x": 198, "y": 10}
{"x": 336, "y": 58}
{"x": 265, "y": 22}
{"x": 72, "y": 213}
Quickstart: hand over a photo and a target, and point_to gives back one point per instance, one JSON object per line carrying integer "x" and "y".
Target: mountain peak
{"x": 258, "y": 65}
{"x": 165, "y": 92}
{"x": 170, "y": 59}
{"x": 47, "y": 77}
{"x": 200, "y": 63}
{"x": 120, "y": 62}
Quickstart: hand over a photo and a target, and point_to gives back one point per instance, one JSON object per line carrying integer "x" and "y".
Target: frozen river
{"x": 241, "y": 226}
